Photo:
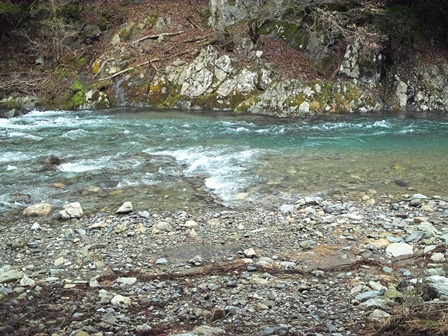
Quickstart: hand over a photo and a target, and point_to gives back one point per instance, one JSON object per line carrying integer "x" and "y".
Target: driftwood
{"x": 129, "y": 69}
{"x": 156, "y": 36}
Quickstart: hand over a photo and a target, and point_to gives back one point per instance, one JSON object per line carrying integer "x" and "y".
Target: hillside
{"x": 296, "y": 58}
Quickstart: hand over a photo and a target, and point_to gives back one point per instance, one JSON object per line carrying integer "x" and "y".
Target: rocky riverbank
{"x": 318, "y": 266}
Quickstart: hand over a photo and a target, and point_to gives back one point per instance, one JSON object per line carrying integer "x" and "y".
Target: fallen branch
{"x": 157, "y": 36}
{"x": 194, "y": 24}
{"x": 130, "y": 69}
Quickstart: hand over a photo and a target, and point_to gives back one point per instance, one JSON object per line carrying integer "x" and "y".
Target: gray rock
{"x": 196, "y": 261}
{"x": 144, "y": 214}
{"x": 208, "y": 331}
{"x": 367, "y": 295}
{"x": 379, "y": 314}
{"x": 276, "y": 330}
{"x": 439, "y": 284}
{"x": 286, "y": 207}
{"x": 161, "y": 227}
{"x": 27, "y": 282}
{"x": 125, "y": 208}
{"x": 161, "y": 261}
{"x": 399, "y": 249}
{"x": 127, "y": 281}
{"x": 10, "y": 275}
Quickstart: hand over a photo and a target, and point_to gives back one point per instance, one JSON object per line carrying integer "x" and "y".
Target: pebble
{"x": 162, "y": 261}
{"x": 10, "y": 275}
{"x": 120, "y": 300}
{"x": 125, "y": 208}
{"x": 127, "y": 281}
{"x": 265, "y": 265}
{"x": 438, "y": 257}
{"x": 399, "y": 249}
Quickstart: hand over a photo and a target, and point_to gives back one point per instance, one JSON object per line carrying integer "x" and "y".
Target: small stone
{"x": 196, "y": 261}
{"x": 38, "y": 210}
{"x": 261, "y": 307}
{"x": 71, "y": 210}
{"x": 59, "y": 261}
{"x": 376, "y": 286}
{"x": 190, "y": 224}
{"x": 127, "y": 281}
{"x": 140, "y": 228}
{"x": 399, "y": 249}
{"x": 10, "y": 275}
{"x": 208, "y": 331}
{"x": 161, "y": 227}
{"x": 35, "y": 226}
{"x": 250, "y": 253}
{"x": 27, "y": 282}
{"x": 438, "y": 257}
{"x": 378, "y": 314}
{"x": 143, "y": 328}
{"x": 367, "y": 295}
{"x": 286, "y": 207}
{"x": 94, "y": 283}
{"x": 162, "y": 261}
{"x": 419, "y": 196}
{"x": 120, "y": 228}
{"x": 387, "y": 269}
{"x": 392, "y": 294}
{"x": 125, "y": 208}
{"x": 144, "y": 214}
{"x": 120, "y": 300}
{"x": 439, "y": 284}
{"x": 81, "y": 333}
{"x": 218, "y": 313}
{"x": 279, "y": 330}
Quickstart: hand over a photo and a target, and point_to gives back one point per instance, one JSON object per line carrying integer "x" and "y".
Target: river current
{"x": 176, "y": 161}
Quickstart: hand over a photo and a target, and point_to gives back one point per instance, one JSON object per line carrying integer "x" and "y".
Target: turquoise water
{"x": 174, "y": 160}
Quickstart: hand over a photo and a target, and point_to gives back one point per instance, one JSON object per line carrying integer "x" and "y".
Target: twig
{"x": 194, "y": 24}
{"x": 129, "y": 69}
{"x": 186, "y": 52}
{"x": 196, "y": 39}
{"x": 157, "y": 36}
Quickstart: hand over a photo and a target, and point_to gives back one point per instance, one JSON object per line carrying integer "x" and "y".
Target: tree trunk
{"x": 217, "y": 20}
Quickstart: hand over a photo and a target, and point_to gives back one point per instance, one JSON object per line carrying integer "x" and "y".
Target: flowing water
{"x": 174, "y": 160}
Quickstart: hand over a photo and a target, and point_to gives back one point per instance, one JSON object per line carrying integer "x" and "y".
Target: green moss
{"x": 299, "y": 99}
{"x": 151, "y": 20}
{"x": 163, "y": 95}
{"x": 208, "y": 101}
{"x": 77, "y": 98}
{"x": 295, "y": 36}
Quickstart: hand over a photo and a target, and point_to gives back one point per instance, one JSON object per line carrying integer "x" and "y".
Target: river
{"x": 175, "y": 160}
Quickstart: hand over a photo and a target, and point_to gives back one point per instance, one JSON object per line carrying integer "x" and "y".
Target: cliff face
{"x": 166, "y": 56}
